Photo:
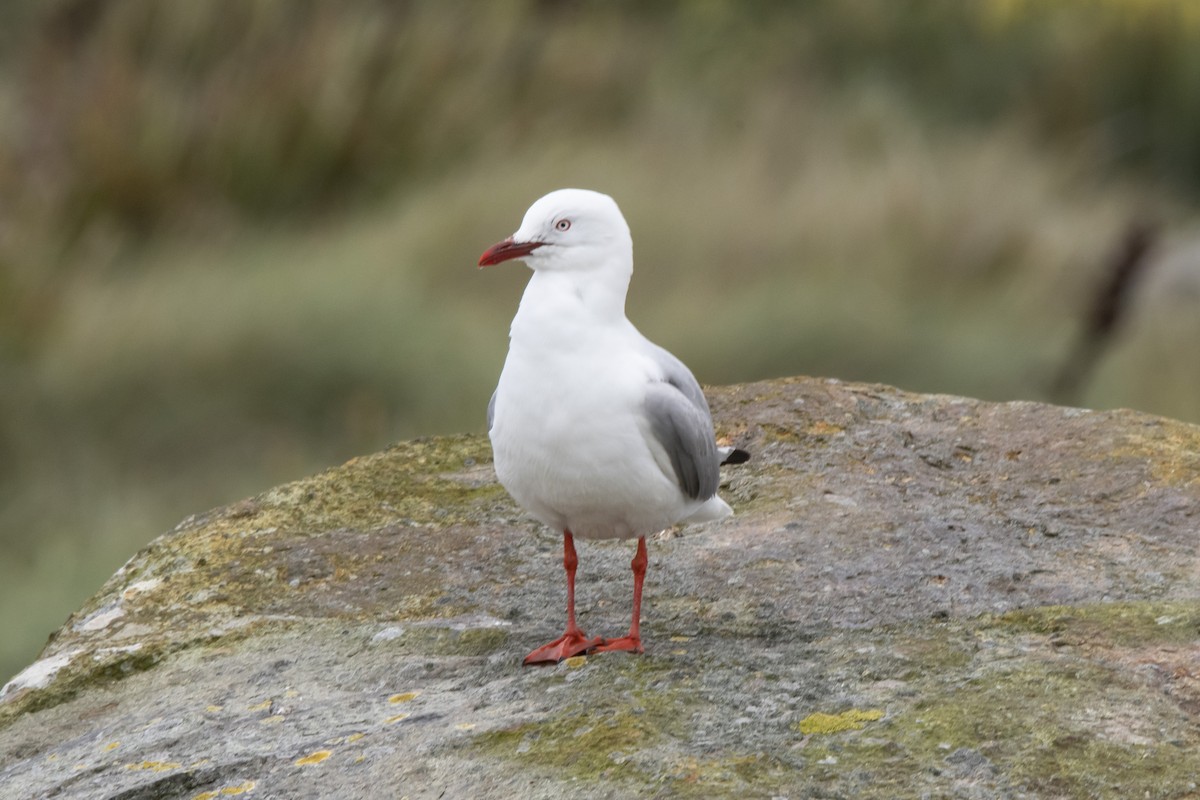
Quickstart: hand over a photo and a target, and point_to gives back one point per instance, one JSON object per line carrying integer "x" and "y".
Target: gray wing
{"x": 680, "y": 421}
{"x": 676, "y": 373}
{"x": 491, "y": 410}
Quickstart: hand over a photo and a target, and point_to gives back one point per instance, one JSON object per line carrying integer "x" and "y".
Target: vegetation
{"x": 237, "y": 238}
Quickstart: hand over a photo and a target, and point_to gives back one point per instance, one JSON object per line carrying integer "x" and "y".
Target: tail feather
{"x": 713, "y": 509}
{"x": 732, "y": 455}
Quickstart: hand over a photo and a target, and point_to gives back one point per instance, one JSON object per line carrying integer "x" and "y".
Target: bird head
{"x": 568, "y": 229}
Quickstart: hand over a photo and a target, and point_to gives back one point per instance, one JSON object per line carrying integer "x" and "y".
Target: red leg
{"x": 633, "y": 642}
{"x": 573, "y": 641}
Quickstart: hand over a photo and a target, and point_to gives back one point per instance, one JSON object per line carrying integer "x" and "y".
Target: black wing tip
{"x": 737, "y": 456}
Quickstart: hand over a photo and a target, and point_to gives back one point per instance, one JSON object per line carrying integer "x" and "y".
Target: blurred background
{"x": 238, "y": 237}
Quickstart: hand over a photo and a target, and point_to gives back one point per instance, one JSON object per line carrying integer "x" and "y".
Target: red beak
{"x": 506, "y": 251}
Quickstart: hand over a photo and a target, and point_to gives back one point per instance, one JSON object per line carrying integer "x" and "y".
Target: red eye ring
{"x": 562, "y": 225}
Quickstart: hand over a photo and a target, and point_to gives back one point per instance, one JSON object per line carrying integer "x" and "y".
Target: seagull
{"x": 596, "y": 431}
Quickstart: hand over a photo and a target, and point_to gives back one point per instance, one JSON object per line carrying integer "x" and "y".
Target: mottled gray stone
{"x": 919, "y": 596}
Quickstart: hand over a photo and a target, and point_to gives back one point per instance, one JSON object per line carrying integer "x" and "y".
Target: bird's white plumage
{"x": 574, "y": 439}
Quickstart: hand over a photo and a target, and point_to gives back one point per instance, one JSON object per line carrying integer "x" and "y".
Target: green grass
{"x": 237, "y": 240}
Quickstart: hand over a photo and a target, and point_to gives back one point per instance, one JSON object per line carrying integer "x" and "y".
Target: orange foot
{"x": 626, "y": 644}
{"x": 571, "y": 643}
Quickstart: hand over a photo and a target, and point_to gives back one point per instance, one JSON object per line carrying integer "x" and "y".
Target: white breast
{"x": 570, "y": 442}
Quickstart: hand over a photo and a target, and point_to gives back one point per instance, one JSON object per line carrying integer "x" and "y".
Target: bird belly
{"x": 576, "y": 464}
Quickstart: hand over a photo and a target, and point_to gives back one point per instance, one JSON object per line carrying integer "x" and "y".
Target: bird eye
{"x": 562, "y": 225}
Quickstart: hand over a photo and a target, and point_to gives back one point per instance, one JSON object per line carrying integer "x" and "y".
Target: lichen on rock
{"x": 918, "y": 596}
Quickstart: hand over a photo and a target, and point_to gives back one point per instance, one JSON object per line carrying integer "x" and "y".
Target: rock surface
{"x": 920, "y": 596}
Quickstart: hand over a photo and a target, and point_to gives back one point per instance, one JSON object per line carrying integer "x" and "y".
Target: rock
{"x": 920, "y": 596}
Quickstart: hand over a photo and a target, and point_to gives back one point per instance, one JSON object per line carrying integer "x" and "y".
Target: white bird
{"x": 595, "y": 430}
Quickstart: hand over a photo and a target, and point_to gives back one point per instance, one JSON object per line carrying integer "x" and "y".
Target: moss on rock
{"x": 918, "y": 597}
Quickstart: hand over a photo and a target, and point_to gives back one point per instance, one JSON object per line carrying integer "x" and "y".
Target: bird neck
{"x": 580, "y": 297}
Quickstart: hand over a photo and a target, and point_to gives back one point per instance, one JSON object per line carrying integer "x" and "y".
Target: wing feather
{"x": 682, "y": 425}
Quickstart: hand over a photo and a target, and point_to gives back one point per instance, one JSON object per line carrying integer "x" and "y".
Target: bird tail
{"x": 732, "y": 455}
{"x": 714, "y": 508}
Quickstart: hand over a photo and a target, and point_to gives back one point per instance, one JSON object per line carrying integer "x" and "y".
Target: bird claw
{"x": 626, "y": 644}
{"x": 571, "y": 643}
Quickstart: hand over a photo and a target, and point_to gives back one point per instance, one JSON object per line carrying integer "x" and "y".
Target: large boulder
{"x": 919, "y": 596}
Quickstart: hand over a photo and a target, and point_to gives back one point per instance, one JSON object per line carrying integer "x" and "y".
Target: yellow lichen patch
{"x": 111, "y": 746}
{"x": 241, "y": 788}
{"x": 263, "y": 706}
{"x": 155, "y": 766}
{"x": 681, "y": 638}
{"x": 313, "y": 758}
{"x": 395, "y": 719}
{"x": 465, "y": 726}
{"x": 1171, "y": 452}
{"x": 272, "y": 720}
{"x": 823, "y": 428}
{"x": 781, "y": 433}
{"x": 576, "y": 661}
{"x": 853, "y": 720}
{"x": 402, "y": 698}
{"x": 354, "y": 737}
{"x": 214, "y": 709}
